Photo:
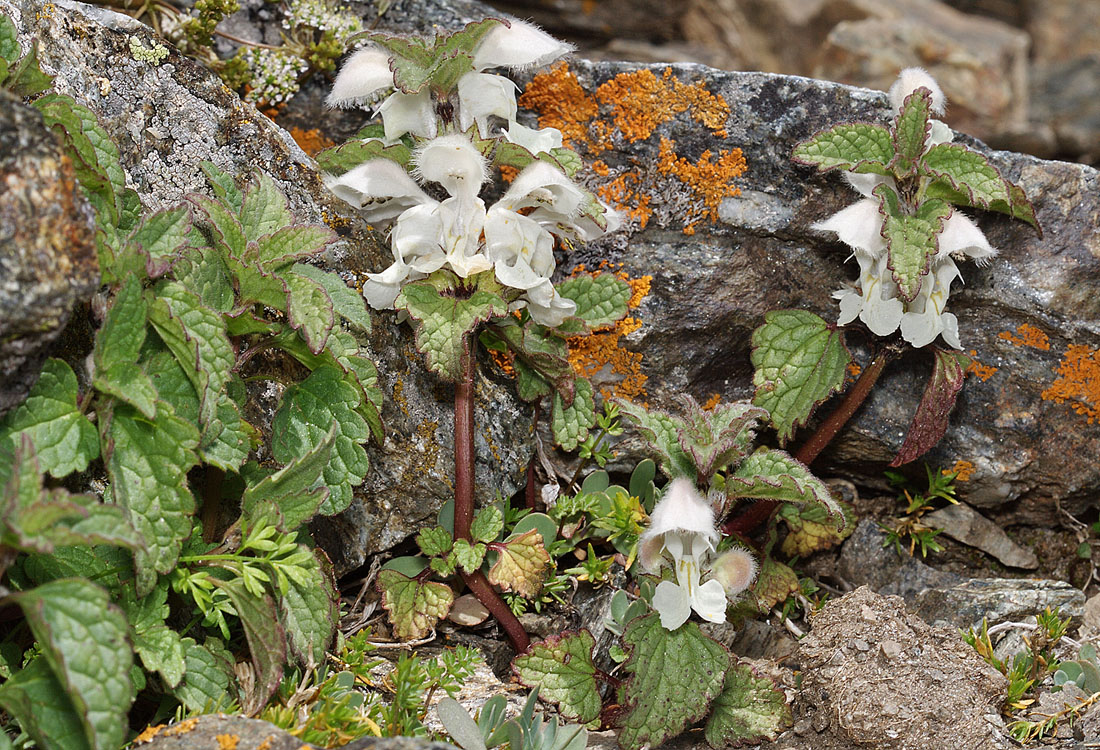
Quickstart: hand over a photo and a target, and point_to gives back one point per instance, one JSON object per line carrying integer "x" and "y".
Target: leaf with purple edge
{"x": 561, "y": 668}
{"x": 930, "y": 422}
{"x": 911, "y": 129}
{"x": 415, "y": 606}
{"x": 854, "y": 147}
{"x": 749, "y": 709}
{"x": 770, "y": 474}
{"x": 911, "y": 238}
{"x": 521, "y": 565}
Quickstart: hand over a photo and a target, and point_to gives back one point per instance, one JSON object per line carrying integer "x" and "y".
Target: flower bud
{"x": 735, "y": 570}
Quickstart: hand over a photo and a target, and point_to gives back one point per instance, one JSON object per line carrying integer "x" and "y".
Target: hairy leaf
{"x": 561, "y": 668}
{"x": 309, "y": 310}
{"x": 934, "y": 410}
{"x": 223, "y": 185}
{"x": 911, "y": 132}
{"x": 522, "y": 564}
{"x": 811, "y": 528}
{"x": 1017, "y": 206}
{"x": 298, "y": 488}
{"x": 224, "y": 442}
{"x": 774, "y": 583}
{"x": 228, "y": 234}
{"x": 348, "y": 303}
{"x": 292, "y": 243}
{"x": 716, "y": 438}
{"x": 540, "y": 356}
{"x": 161, "y": 650}
{"x": 799, "y": 360}
{"x": 775, "y": 475}
{"x": 467, "y": 555}
{"x": 39, "y": 701}
{"x": 64, "y": 440}
{"x": 748, "y": 710}
{"x": 853, "y": 147}
{"x": 570, "y": 424}
{"x": 601, "y": 300}
{"x": 418, "y": 62}
{"x": 26, "y": 78}
{"x": 911, "y": 239}
{"x": 309, "y": 610}
{"x": 309, "y": 410}
{"x": 266, "y": 637}
{"x": 530, "y": 385}
{"x": 206, "y": 679}
{"x": 163, "y": 234}
{"x": 263, "y": 208}
{"x": 434, "y": 541}
{"x": 415, "y": 606}
{"x": 487, "y": 524}
{"x": 662, "y": 432}
{"x": 9, "y": 40}
{"x": 674, "y": 676}
{"x": 349, "y": 155}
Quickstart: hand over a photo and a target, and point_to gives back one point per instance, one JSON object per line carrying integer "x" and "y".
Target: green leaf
{"x": 38, "y": 700}
{"x": 163, "y": 234}
{"x": 748, "y": 710}
{"x": 601, "y": 300}
{"x": 911, "y": 239}
{"x": 263, "y": 208}
{"x": 309, "y": 610}
{"x": 309, "y": 310}
{"x": 911, "y": 132}
{"x": 9, "y": 40}
{"x": 799, "y": 360}
{"x": 309, "y": 410}
{"x": 468, "y": 555}
{"x": 811, "y": 528}
{"x": 347, "y": 302}
{"x": 434, "y": 541}
{"x": 292, "y": 243}
{"x": 83, "y": 637}
{"x": 774, "y": 583}
{"x": 854, "y": 147}
{"x": 570, "y": 424}
{"x": 206, "y": 679}
{"x": 172, "y": 384}
{"x": 223, "y": 224}
{"x": 117, "y": 346}
{"x": 225, "y": 187}
{"x": 674, "y": 676}
{"x": 297, "y": 489}
{"x": 487, "y": 524}
{"x": 566, "y": 159}
{"x": 521, "y": 565}
{"x": 775, "y": 475}
{"x": 161, "y": 650}
{"x": 445, "y": 317}
{"x": 415, "y": 606}
{"x": 530, "y": 385}
{"x": 934, "y": 410}
{"x": 60, "y": 522}
{"x": 26, "y": 78}
{"x": 255, "y": 285}
{"x": 662, "y": 432}
{"x": 540, "y": 356}
{"x": 266, "y": 637}
{"x": 148, "y": 464}
{"x": 224, "y": 442}
{"x": 64, "y": 439}
{"x": 416, "y": 63}
{"x": 345, "y": 157}
{"x": 713, "y": 439}
{"x": 561, "y": 668}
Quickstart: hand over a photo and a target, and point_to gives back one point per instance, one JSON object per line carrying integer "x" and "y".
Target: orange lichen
{"x": 983, "y": 372}
{"x": 854, "y": 369}
{"x": 312, "y": 141}
{"x": 267, "y": 743}
{"x": 640, "y": 101}
{"x": 962, "y": 470}
{"x": 508, "y": 172}
{"x": 710, "y": 181}
{"x": 1027, "y": 335}
{"x": 227, "y": 741}
{"x": 561, "y": 102}
{"x": 183, "y": 727}
{"x": 148, "y": 734}
{"x": 504, "y": 360}
{"x": 599, "y": 167}
{"x": 713, "y": 401}
{"x": 624, "y": 195}
{"x": 1078, "y": 381}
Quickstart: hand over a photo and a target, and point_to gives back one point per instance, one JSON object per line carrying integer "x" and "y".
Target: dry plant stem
{"x": 761, "y": 510}
{"x": 464, "y": 500}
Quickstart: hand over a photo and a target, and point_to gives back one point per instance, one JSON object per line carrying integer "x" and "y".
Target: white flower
{"x": 364, "y": 74}
{"x": 533, "y": 140}
{"x": 518, "y": 45}
{"x": 682, "y": 528}
{"x": 911, "y": 79}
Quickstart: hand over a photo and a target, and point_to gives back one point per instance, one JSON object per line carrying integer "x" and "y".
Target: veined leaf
{"x": 468, "y": 555}
{"x": 799, "y": 360}
{"x": 811, "y": 528}
{"x": 224, "y": 186}
{"x": 266, "y": 637}
{"x": 206, "y": 679}
{"x": 163, "y": 234}
{"x": 966, "y": 178}
{"x": 298, "y": 488}
{"x": 719, "y": 437}
{"x": 774, "y": 475}
{"x": 291, "y": 243}
{"x": 226, "y": 227}
{"x": 930, "y": 422}
{"x": 345, "y": 157}
{"x": 309, "y": 610}
{"x": 911, "y": 132}
{"x": 601, "y": 300}
{"x": 487, "y": 524}
{"x": 39, "y": 701}
{"x": 774, "y": 583}
{"x": 224, "y": 442}
{"x": 117, "y": 346}
{"x": 25, "y": 78}
{"x": 748, "y": 710}
{"x": 522, "y": 564}
{"x": 661, "y": 431}
{"x": 415, "y": 606}
{"x": 263, "y": 208}
{"x": 674, "y": 676}
{"x": 570, "y": 424}
{"x": 853, "y": 147}
{"x": 911, "y": 239}
{"x": 309, "y": 310}
{"x": 9, "y": 41}
{"x": 346, "y": 301}
{"x": 561, "y": 668}
{"x": 434, "y": 541}
{"x": 538, "y": 354}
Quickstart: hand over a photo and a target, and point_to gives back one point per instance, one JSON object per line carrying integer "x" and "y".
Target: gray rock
{"x": 964, "y": 524}
{"x": 47, "y": 250}
{"x": 997, "y": 600}
{"x": 166, "y": 119}
{"x": 864, "y": 561}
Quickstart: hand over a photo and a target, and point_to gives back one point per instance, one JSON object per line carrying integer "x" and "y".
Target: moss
{"x": 1078, "y": 382}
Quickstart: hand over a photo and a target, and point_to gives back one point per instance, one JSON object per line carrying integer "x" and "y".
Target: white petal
{"x": 454, "y": 162}
{"x": 710, "y": 602}
{"x": 881, "y": 310}
{"x": 381, "y": 189}
{"x": 483, "y": 94}
{"x": 365, "y": 73}
{"x": 950, "y": 332}
{"x": 540, "y": 184}
{"x": 672, "y": 604}
{"x": 961, "y": 235}
{"x": 858, "y": 227}
{"x": 533, "y": 140}
{"x": 408, "y": 113}
{"x": 463, "y": 219}
{"x": 518, "y": 45}
{"x": 940, "y": 133}
{"x": 417, "y": 238}
{"x": 851, "y": 303}
{"x": 865, "y": 184}
{"x": 682, "y": 508}
{"x": 512, "y": 237}
{"x": 909, "y": 80}
{"x": 381, "y": 289}
{"x": 921, "y": 329}
{"x": 651, "y": 552}
{"x": 553, "y": 312}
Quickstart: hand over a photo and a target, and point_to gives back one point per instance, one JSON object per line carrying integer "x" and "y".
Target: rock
{"x": 1063, "y": 30}
{"x": 878, "y": 696}
{"x": 997, "y": 600}
{"x": 169, "y": 117}
{"x": 47, "y": 249}
{"x": 864, "y": 561}
{"x": 966, "y": 525}
{"x": 1090, "y": 623}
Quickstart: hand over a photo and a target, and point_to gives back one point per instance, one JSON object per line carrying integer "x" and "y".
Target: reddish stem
{"x": 761, "y": 510}
{"x": 464, "y": 500}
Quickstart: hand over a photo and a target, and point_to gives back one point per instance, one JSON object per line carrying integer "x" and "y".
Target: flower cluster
{"x": 682, "y": 532}
{"x": 451, "y": 130}
{"x": 877, "y": 303}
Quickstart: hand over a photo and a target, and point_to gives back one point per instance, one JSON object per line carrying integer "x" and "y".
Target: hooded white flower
{"x": 860, "y": 226}
{"x": 682, "y": 530}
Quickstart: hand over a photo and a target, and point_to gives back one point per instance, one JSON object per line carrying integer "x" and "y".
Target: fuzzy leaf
{"x": 911, "y": 239}
{"x": 266, "y": 637}
{"x": 41, "y": 704}
{"x": 530, "y": 385}
{"x": 748, "y": 710}
{"x": 309, "y": 310}
{"x": 775, "y": 475}
{"x": 255, "y": 285}
{"x": 83, "y": 637}
{"x": 522, "y": 564}
{"x": 799, "y": 360}
{"x": 967, "y": 172}
{"x": 444, "y": 320}
{"x": 418, "y": 62}
{"x": 297, "y": 489}
{"x": 719, "y": 437}
{"x": 540, "y": 356}
{"x": 148, "y": 465}
{"x": 61, "y": 522}
{"x": 661, "y": 431}
{"x": 601, "y": 300}
{"x": 349, "y": 155}
{"x": 348, "y": 303}
{"x": 561, "y": 668}
{"x": 64, "y": 440}
{"x": 674, "y": 676}
{"x": 570, "y": 424}
{"x": 487, "y": 524}
{"x": 9, "y": 40}
{"x": 223, "y": 185}
{"x": 309, "y": 410}
{"x": 854, "y": 147}
{"x": 228, "y": 234}
{"x": 309, "y": 610}
{"x": 415, "y": 606}
{"x": 117, "y": 346}
{"x": 206, "y": 679}
{"x": 934, "y": 410}
{"x": 566, "y": 159}
{"x": 161, "y": 650}
{"x": 434, "y": 541}
{"x": 263, "y": 208}
{"x": 1017, "y": 206}
{"x": 468, "y": 555}
{"x": 911, "y": 132}
{"x": 26, "y": 78}
{"x": 811, "y": 528}
{"x": 224, "y": 442}
{"x": 774, "y": 583}
{"x": 164, "y": 233}
{"x": 292, "y": 243}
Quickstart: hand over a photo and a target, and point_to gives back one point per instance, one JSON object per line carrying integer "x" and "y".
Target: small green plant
{"x": 941, "y": 486}
{"x": 528, "y": 731}
{"x": 1083, "y": 671}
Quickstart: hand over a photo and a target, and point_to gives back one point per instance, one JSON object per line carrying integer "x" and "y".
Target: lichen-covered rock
{"x": 167, "y": 116}
{"x": 47, "y": 253}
